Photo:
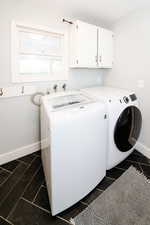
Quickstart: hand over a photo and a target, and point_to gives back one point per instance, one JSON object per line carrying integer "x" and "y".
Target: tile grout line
{"x": 26, "y": 162}
{"x": 118, "y": 168}
{"x": 32, "y": 203}
{"x": 22, "y": 162}
{"x": 145, "y": 164}
{"x": 31, "y": 180}
{"x": 5, "y": 169}
{"x": 101, "y": 189}
{"x": 110, "y": 178}
{"x": 16, "y": 183}
{"x": 28, "y": 165}
{"x": 84, "y": 203}
{"x": 98, "y": 189}
{"x": 16, "y": 167}
{"x": 7, "y": 220}
{"x": 61, "y": 218}
{"x": 129, "y": 160}
{"x": 12, "y": 210}
{"x": 9, "y": 177}
{"x": 10, "y": 173}
{"x": 5, "y": 181}
{"x": 141, "y": 168}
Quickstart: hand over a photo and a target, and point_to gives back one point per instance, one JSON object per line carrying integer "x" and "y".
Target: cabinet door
{"x": 86, "y": 45}
{"x": 105, "y": 48}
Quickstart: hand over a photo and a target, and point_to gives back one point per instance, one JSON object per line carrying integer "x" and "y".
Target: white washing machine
{"x": 73, "y": 147}
{"x": 124, "y": 121}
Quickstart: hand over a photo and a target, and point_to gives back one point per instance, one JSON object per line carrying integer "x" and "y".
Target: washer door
{"x": 127, "y": 129}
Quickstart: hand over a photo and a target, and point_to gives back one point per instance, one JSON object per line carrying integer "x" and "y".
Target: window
{"x": 38, "y": 54}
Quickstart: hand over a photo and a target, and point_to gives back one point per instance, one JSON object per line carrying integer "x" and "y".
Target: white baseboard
{"x": 19, "y": 152}
{"x": 26, "y": 150}
{"x": 143, "y": 149}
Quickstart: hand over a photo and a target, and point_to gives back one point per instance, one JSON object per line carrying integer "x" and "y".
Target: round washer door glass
{"x": 127, "y": 129}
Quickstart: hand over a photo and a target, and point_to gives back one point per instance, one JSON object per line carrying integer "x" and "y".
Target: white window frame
{"x": 16, "y": 77}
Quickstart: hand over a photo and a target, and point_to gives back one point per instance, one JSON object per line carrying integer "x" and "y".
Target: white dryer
{"x": 73, "y": 147}
{"x": 124, "y": 121}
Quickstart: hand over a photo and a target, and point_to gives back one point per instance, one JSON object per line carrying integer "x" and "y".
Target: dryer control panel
{"x": 131, "y": 97}
{"x": 126, "y": 99}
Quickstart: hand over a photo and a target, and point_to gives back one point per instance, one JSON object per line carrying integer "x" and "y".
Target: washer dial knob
{"x": 126, "y": 99}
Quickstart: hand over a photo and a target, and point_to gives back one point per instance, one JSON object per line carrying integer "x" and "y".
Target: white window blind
{"x": 40, "y": 55}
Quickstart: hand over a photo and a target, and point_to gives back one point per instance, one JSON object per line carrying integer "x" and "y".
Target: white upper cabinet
{"x": 83, "y": 45}
{"x": 105, "y": 48}
{"x": 90, "y": 46}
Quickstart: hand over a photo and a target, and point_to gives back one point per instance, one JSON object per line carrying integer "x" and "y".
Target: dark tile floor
{"x": 23, "y": 193}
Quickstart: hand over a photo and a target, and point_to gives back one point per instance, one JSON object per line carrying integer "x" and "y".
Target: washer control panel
{"x": 126, "y": 99}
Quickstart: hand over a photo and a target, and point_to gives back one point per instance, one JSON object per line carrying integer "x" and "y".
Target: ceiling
{"x": 105, "y": 12}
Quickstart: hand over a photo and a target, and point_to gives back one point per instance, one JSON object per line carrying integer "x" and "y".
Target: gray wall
{"x": 132, "y": 62}
{"x": 19, "y": 119}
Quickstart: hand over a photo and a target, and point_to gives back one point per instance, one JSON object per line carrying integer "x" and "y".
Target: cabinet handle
{"x": 96, "y": 59}
{"x": 1, "y": 92}
{"x": 100, "y": 58}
